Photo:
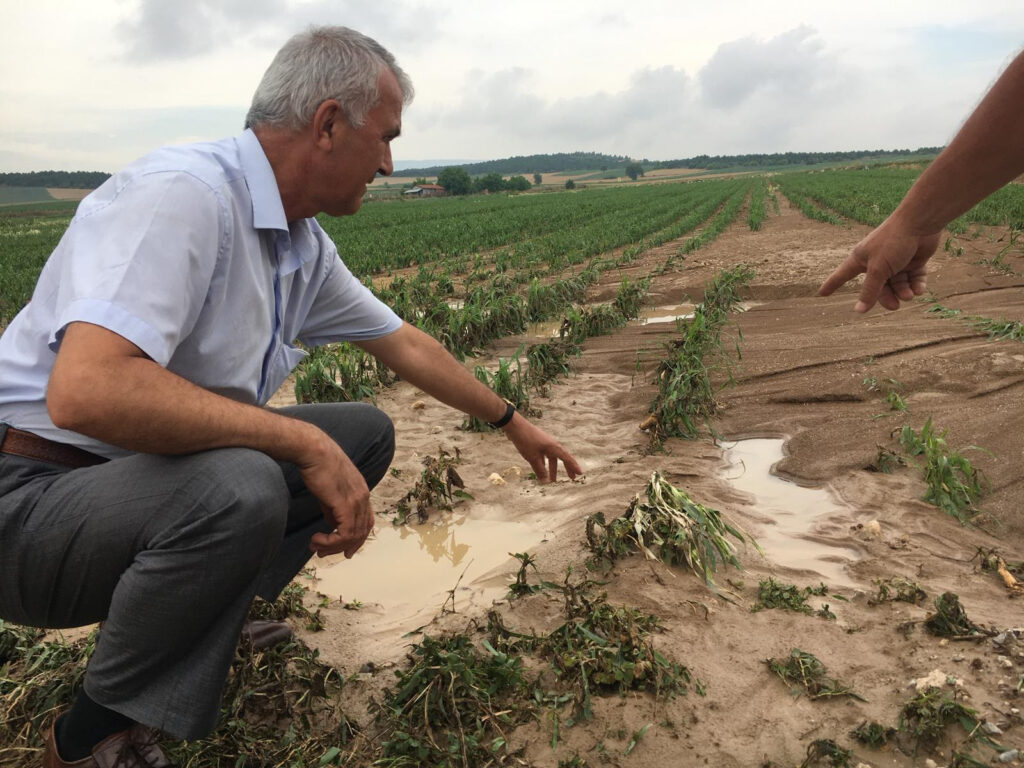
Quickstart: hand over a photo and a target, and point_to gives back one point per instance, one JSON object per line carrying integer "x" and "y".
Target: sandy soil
{"x": 800, "y": 380}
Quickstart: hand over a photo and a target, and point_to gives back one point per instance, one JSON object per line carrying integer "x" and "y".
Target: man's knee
{"x": 239, "y": 493}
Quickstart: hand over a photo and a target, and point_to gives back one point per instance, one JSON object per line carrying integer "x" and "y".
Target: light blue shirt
{"x": 186, "y": 253}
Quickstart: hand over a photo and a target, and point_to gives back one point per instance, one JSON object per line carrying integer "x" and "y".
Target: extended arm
{"x": 986, "y": 153}
{"x": 104, "y": 386}
{"x": 422, "y": 361}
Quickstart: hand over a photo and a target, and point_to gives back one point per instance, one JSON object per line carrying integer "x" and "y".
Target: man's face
{"x": 358, "y": 154}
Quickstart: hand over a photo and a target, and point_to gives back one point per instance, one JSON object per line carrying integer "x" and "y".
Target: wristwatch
{"x": 510, "y": 410}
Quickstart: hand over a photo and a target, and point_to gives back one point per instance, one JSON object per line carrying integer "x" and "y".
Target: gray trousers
{"x": 167, "y": 551}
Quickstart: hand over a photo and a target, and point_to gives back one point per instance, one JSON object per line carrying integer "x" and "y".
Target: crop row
{"x": 870, "y": 196}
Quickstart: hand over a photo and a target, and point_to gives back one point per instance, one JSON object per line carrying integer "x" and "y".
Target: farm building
{"x": 426, "y": 190}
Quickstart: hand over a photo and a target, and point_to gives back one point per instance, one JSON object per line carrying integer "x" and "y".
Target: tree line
{"x": 721, "y": 162}
{"x": 551, "y": 163}
{"x": 60, "y": 179}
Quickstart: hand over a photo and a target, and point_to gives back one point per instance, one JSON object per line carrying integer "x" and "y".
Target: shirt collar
{"x": 267, "y": 209}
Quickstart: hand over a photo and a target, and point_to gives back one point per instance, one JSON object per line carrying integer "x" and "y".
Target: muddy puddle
{"x": 410, "y": 570}
{"x": 796, "y": 521}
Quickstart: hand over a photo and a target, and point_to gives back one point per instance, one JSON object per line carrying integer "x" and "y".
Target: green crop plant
{"x": 804, "y": 670}
{"x": 630, "y": 297}
{"x": 953, "y": 484}
{"x": 686, "y": 394}
{"x": 756, "y": 212}
{"x": 664, "y": 523}
{"x": 508, "y": 381}
{"x": 339, "y": 373}
{"x": 548, "y": 361}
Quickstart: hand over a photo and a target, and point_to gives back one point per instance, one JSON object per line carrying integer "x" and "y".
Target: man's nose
{"x": 386, "y": 166}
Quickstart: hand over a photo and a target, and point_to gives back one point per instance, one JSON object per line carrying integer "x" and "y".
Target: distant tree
{"x": 517, "y": 184}
{"x": 537, "y": 179}
{"x": 634, "y": 170}
{"x": 570, "y": 184}
{"x": 420, "y": 180}
{"x": 489, "y": 182}
{"x": 456, "y": 181}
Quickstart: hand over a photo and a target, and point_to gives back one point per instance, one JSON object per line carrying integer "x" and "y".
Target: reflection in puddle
{"x": 793, "y": 539}
{"x": 418, "y": 565}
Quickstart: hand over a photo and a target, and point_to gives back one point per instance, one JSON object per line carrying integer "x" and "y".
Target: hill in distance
{"x": 560, "y": 162}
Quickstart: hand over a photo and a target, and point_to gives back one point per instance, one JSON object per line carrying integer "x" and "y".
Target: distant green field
{"x": 11, "y": 195}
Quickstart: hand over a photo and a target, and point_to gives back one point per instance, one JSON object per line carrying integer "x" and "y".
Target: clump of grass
{"x": 873, "y": 734}
{"x": 686, "y": 394}
{"x": 789, "y": 597}
{"x": 953, "y": 484}
{"x": 897, "y": 589}
{"x": 438, "y": 486}
{"x": 453, "y": 707}
{"x": 806, "y": 671}
{"x": 826, "y": 749}
{"x": 950, "y": 619}
{"x": 665, "y": 523}
{"x": 38, "y": 679}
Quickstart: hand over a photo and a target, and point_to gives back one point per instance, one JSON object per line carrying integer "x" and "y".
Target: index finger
{"x": 845, "y": 272}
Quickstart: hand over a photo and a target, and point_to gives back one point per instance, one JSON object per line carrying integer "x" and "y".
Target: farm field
{"x": 818, "y": 394}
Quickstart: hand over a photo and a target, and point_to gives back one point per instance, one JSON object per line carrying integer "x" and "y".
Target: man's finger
{"x": 874, "y": 283}
{"x": 539, "y": 469}
{"x": 845, "y": 272}
{"x": 552, "y": 468}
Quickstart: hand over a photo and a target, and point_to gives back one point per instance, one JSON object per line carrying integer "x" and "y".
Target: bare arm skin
{"x": 986, "y": 153}
{"x": 422, "y": 361}
{"x": 104, "y": 386}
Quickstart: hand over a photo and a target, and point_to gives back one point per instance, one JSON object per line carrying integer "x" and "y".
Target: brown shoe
{"x": 265, "y": 634}
{"x": 132, "y": 748}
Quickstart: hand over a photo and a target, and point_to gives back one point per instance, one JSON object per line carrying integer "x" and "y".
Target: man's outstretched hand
{"x": 541, "y": 450}
{"x": 894, "y": 263}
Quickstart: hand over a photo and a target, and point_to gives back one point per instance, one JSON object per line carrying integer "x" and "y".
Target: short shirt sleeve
{"x": 140, "y": 259}
{"x": 344, "y": 309}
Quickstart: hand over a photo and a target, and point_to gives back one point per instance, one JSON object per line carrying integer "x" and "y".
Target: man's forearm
{"x": 129, "y": 401}
{"x": 422, "y": 361}
{"x": 986, "y": 153}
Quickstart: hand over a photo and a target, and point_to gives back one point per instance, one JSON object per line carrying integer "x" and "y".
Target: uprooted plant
{"x": 950, "y": 619}
{"x": 438, "y": 486}
{"x": 664, "y": 523}
{"x": 454, "y": 706}
{"x": 804, "y": 670}
{"x": 789, "y": 597}
{"x": 599, "y": 649}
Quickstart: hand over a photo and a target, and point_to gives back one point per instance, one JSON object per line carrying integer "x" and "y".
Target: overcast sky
{"x": 92, "y": 84}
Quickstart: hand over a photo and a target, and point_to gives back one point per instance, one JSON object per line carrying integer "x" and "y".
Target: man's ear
{"x": 329, "y": 125}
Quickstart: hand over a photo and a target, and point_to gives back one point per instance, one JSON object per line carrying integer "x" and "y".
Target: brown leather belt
{"x": 17, "y": 442}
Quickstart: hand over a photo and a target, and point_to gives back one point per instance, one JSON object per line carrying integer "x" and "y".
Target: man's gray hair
{"x": 319, "y": 64}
